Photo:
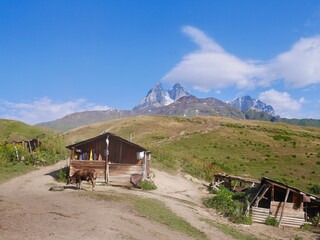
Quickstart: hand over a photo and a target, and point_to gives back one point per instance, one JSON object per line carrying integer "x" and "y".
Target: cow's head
{"x": 70, "y": 180}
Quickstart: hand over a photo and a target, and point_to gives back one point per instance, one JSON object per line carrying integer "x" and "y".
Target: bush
{"x": 298, "y": 238}
{"x": 225, "y": 203}
{"x": 11, "y": 153}
{"x": 50, "y": 151}
{"x": 315, "y": 189}
{"x": 315, "y": 220}
{"x": 62, "y": 175}
{"x": 306, "y": 227}
{"x": 147, "y": 185}
{"x": 271, "y": 221}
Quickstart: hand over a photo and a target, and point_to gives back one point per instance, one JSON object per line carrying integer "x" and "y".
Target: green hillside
{"x": 302, "y": 122}
{"x": 11, "y": 130}
{"x": 205, "y": 145}
{"x": 16, "y": 159}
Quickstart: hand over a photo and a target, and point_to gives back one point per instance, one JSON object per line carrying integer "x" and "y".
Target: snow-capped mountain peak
{"x": 246, "y": 102}
{"x": 177, "y": 91}
{"x": 158, "y": 96}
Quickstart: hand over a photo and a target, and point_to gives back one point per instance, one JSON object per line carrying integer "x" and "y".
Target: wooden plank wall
{"x": 75, "y": 165}
{"x": 118, "y": 172}
{"x": 291, "y": 217}
{"x": 259, "y": 214}
{"x": 121, "y": 173}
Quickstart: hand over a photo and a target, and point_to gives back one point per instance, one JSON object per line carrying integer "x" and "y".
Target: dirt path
{"x": 29, "y": 211}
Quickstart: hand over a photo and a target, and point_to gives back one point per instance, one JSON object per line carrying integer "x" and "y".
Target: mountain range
{"x": 178, "y": 101}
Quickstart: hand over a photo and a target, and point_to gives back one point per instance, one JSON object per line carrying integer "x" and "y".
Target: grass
{"x": 152, "y": 209}
{"x": 203, "y": 146}
{"x": 230, "y": 204}
{"x": 271, "y": 221}
{"x": 14, "y": 130}
{"x": 51, "y": 150}
{"x": 11, "y": 170}
{"x": 157, "y": 211}
{"x": 229, "y": 230}
{"x": 147, "y": 185}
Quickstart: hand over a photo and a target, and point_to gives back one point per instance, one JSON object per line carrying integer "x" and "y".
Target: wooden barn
{"x": 115, "y": 159}
{"x": 291, "y": 206}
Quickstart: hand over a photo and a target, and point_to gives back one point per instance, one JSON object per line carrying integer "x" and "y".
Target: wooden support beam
{"x": 30, "y": 148}
{"x": 108, "y": 172}
{"x": 260, "y": 189}
{"x": 144, "y": 175}
{"x": 284, "y": 203}
{"x": 72, "y": 154}
{"x": 262, "y": 195}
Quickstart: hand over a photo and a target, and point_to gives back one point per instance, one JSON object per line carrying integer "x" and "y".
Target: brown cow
{"x": 83, "y": 175}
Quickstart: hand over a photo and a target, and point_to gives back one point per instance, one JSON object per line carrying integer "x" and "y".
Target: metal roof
{"x": 104, "y": 136}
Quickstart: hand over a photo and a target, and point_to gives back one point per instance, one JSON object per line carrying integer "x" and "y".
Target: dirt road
{"x": 30, "y": 211}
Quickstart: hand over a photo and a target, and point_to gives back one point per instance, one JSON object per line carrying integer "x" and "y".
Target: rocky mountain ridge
{"x": 247, "y": 103}
{"x": 178, "y": 101}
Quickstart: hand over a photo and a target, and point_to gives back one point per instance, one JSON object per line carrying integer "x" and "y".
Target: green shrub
{"x": 298, "y": 238}
{"x": 247, "y": 220}
{"x": 272, "y": 221}
{"x": 281, "y": 137}
{"x": 50, "y": 151}
{"x": 315, "y": 188}
{"x": 225, "y": 203}
{"x": 306, "y": 227}
{"x": 147, "y": 185}
{"x": 315, "y": 220}
{"x": 62, "y": 175}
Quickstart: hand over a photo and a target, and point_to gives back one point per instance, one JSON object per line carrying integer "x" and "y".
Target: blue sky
{"x": 59, "y": 57}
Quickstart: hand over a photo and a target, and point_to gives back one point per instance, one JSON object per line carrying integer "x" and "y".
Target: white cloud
{"x": 201, "y": 39}
{"x": 300, "y": 66}
{"x": 284, "y": 105}
{"x": 44, "y": 109}
{"x": 211, "y": 67}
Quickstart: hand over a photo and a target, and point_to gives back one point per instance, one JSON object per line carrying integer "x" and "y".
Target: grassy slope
{"x": 205, "y": 145}
{"x": 11, "y": 130}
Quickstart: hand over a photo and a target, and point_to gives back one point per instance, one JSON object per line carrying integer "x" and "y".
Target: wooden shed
{"x": 113, "y": 158}
{"x": 291, "y": 206}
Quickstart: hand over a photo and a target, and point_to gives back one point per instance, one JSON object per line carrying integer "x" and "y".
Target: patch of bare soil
{"x": 30, "y": 211}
